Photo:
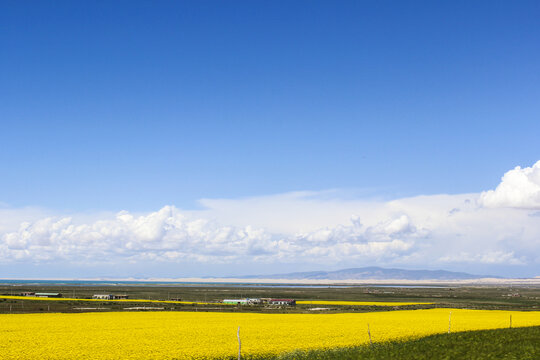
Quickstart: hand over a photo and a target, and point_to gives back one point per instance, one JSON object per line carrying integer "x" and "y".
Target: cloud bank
{"x": 496, "y": 227}
{"x": 170, "y": 235}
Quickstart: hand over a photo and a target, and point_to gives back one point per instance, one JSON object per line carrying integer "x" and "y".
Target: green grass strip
{"x": 506, "y": 344}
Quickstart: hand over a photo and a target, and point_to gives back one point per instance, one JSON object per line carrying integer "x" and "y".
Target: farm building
{"x": 103, "y": 296}
{"x": 252, "y": 301}
{"x": 28, "y": 293}
{"x": 288, "y": 302}
{"x": 109, "y": 297}
{"x": 47, "y": 295}
{"x": 236, "y": 301}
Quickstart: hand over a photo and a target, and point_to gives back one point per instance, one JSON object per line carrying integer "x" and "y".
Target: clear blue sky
{"x": 137, "y": 104}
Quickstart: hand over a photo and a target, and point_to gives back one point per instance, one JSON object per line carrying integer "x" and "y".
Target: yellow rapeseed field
{"x": 359, "y": 303}
{"x": 196, "y": 335}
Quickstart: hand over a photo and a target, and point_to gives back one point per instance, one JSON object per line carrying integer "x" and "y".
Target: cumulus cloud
{"x": 163, "y": 235}
{"x": 170, "y": 235}
{"x": 519, "y": 188}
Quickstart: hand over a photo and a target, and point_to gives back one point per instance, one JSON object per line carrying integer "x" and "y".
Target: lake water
{"x": 197, "y": 284}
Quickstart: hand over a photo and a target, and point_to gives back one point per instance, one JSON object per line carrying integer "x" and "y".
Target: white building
{"x": 103, "y": 297}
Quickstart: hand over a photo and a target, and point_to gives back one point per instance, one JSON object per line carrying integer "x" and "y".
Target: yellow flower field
{"x": 187, "y": 335}
{"x": 359, "y": 303}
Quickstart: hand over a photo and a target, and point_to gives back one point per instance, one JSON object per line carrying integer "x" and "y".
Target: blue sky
{"x": 135, "y": 105}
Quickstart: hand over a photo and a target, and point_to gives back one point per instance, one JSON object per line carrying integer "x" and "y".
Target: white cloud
{"x": 294, "y": 228}
{"x": 519, "y": 188}
{"x": 170, "y": 235}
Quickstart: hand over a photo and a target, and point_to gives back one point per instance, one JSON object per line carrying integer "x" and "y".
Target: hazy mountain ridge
{"x": 374, "y": 273}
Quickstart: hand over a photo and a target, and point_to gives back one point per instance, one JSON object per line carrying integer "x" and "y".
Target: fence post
{"x": 239, "y": 344}
{"x": 369, "y": 335}
{"x": 449, "y": 322}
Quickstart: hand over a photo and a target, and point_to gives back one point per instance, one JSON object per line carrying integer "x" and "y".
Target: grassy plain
{"x": 500, "y": 344}
{"x": 484, "y": 297}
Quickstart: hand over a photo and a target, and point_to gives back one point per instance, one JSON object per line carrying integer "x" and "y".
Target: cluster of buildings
{"x": 58, "y": 295}
{"x": 260, "y": 301}
{"x": 246, "y": 301}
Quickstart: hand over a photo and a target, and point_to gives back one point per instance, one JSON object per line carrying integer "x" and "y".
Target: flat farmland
{"x": 189, "y": 322}
{"x": 206, "y": 335}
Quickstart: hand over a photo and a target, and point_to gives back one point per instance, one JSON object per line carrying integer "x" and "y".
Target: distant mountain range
{"x": 374, "y": 273}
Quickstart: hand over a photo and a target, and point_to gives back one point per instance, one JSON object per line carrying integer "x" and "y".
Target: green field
{"x": 518, "y": 343}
